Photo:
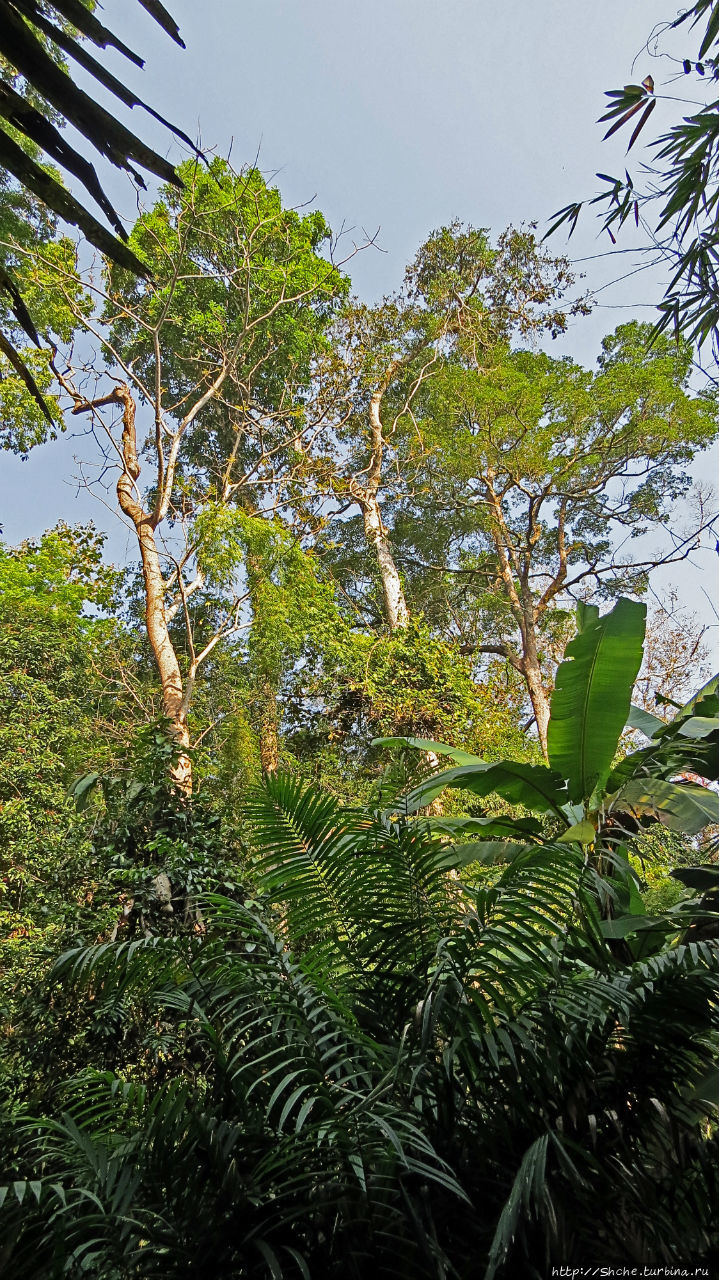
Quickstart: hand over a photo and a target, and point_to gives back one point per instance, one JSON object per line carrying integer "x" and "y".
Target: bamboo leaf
{"x": 622, "y": 120}
{"x": 638, "y": 130}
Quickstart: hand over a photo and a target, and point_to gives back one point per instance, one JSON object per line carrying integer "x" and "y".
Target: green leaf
{"x": 426, "y": 744}
{"x": 708, "y": 1088}
{"x": 81, "y": 790}
{"x": 587, "y": 615}
{"x": 699, "y": 726}
{"x": 681, "y": 807}
{"x": 706, "y": 703}
{"x": 21, "y": 368}
{"x": 526, "y": 1188}
{"x": 488, "y": 852}
{"x": 702, "y": 878}
{"x": 622, "y": 926}
{"x": 644, "y": 721}
{"x": 581, "y": 833}
{"x": 591, "y": 699}
{"x": 711, "y": 686}
{"x": 62, "y": 202}
{"x": 488, "y": 828}
{"x": 428, "y": 790}
{"x": 532, "y": 785}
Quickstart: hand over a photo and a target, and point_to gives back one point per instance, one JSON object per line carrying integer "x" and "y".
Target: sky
{"x": 393, "y": 117}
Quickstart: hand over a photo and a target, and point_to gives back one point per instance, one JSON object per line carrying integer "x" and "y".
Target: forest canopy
{"x": 359, "y": 898}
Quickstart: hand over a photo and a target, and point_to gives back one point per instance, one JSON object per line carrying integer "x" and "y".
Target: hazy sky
{"x": 396, "y": 115}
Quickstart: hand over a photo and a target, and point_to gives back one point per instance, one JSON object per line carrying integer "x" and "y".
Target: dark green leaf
{"x": 487, "y": 852}
{"x": 427, "y": 744}
{"x": 82, "y": 789}
{"x": 702, "y": 878}
{"x": 534, "y": 786}
{"x": 57, "y": 198}
{"x": 21, "y": 369}
{"x": 591, "y": 699}
{"x": 643, "y": 720}
{"x": 679, "y": 806}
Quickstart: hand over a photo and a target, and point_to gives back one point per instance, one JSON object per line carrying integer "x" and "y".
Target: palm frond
{"x": 366, "y": 897}
{"x": 33, "y": 37}
{"x": 295, "y": 1126}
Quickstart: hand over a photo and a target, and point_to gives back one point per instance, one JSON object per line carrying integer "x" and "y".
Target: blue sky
{"x": 394, "y": 116}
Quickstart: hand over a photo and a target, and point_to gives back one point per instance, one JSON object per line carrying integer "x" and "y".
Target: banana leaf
{"x": 592, "y": 696}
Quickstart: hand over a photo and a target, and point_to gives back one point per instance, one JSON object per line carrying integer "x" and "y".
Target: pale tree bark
{"x": 177, "y": 689}
{"x": 174, "y": 700}
{"x": 538, "y": 694}
{"x": 395, "y": 603}
{"x": 367, "y": 497}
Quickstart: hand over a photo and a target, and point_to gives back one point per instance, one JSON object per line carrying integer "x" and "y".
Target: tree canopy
{"x": 359, "y": 900}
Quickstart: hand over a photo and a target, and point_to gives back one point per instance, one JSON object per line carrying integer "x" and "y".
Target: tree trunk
{"x": 173, "y": 699}
{"x": 269, "y": 727}
{"x": 538, "y": 695}
{"x": 266, "y": 701}
{"x": 395, "y": 604}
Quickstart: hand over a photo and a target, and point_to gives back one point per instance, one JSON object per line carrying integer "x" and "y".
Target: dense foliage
{"x": 359, "y": 904}
{"x": 416, "y": 1044}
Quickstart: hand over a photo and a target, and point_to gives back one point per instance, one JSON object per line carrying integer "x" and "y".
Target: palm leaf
{"x": 21, "y": 49}
{"x": 294, "y": 1109}
{"x": 20, "y": 367}
{"x": 361, "y": 893}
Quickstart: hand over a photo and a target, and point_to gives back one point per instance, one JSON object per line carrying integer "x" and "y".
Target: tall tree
{"x": 217, "y": 353}
{"x": 536, "y": 474}
{"x": 459, "y": 288}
